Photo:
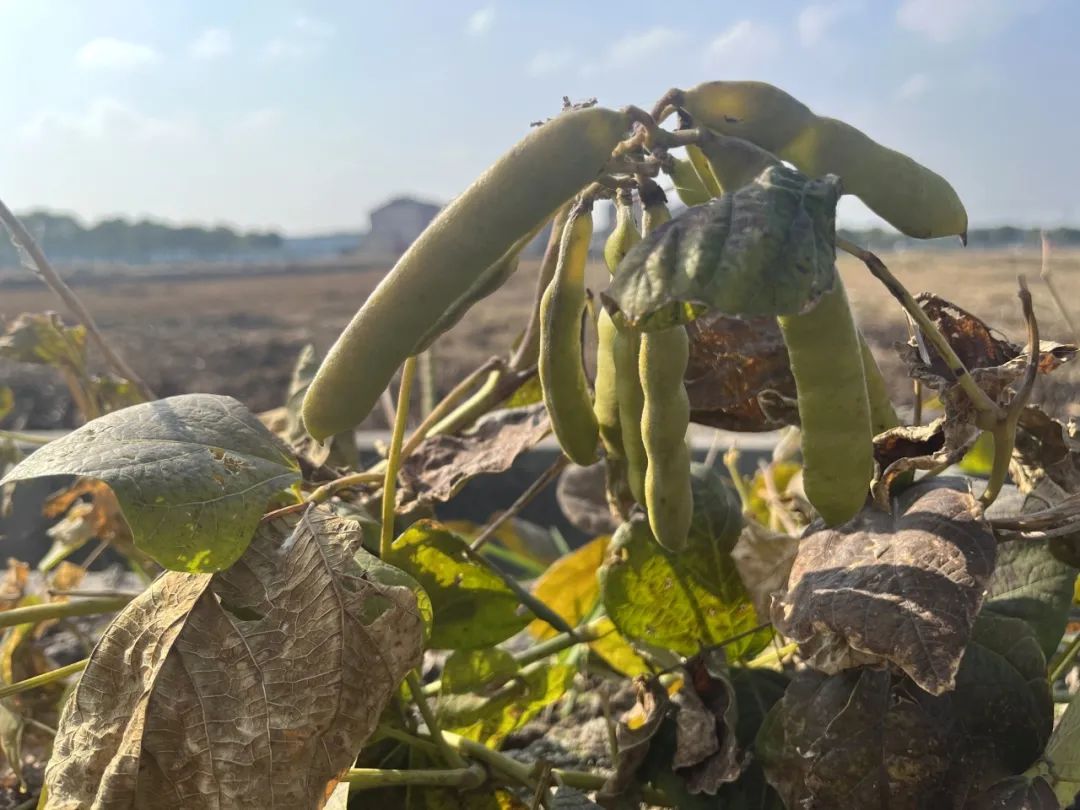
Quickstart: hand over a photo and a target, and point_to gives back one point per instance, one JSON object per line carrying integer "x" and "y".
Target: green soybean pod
{"x": 687, "y": 183}
{"x": 522, "y": 190}
{"x": 625, "y": 349}
{"x": 623, "y": 236}
{"x": 837, "y": 441}
{"x": 703, "y": 171}
{"x": 562, "y": 375}
{"x": 882, "y": 414}
{"x": 625, "y": 233}
{"x": 734, "y": 162}
{"x": 911, "y": 197}
{"x": 606, "y": 395}
{"x": 665, "y": 418}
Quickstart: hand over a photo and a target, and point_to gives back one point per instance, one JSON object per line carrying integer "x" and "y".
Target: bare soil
{"x": 240, "y": 335}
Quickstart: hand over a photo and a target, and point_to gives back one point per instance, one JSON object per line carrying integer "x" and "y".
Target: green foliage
{"x": 192, "y": 473}
{"x": 473, "y": 607}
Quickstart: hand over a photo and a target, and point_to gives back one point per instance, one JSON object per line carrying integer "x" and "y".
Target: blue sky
{"x": 302, "y": 116}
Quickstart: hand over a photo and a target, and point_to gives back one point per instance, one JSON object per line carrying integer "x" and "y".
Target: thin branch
{"x": 393, "y": 458}
{"x": 44, "y": 679}
{"x": 1005, "y": 431}
{"x": 523, "y": 500}
{"x": 448, "y": 402}
{"x": 60, "y": 610}
{"x": 1062, "y": 665}
{"x": 449, "y": 755}
{"x": 44, "y": 270}
{"x": 982, "y": 403}
{"x": 374, "y": 778}
{"x": 1046, "y": 274}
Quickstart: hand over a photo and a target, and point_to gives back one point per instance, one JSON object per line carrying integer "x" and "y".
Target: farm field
{"x": 241, "y": 335}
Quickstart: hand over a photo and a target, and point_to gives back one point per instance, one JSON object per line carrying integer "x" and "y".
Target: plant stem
{"x": 44, "y": 679}
{"x": 427, "y": 383}
{"x": 447, "y": 403}
{"x": 537, "y": 606}
{"x": 1005, "y": 430}
{"x": 982, "y": 403}
{"x": 1046, "y": 275}
{"x": 59, "y": 610}
{"x": 523, "y": 500}
{"x": 449, "y": 755}
{"x": 393, "y": 458}
{"x": 374, "y": 778}
{"x": 1062, "y": 665}
{"x": 731, "y": 461}
{"x": 25, "y": 438}
{"x": 556, "y": 644}
{"x": 44, "y": 270}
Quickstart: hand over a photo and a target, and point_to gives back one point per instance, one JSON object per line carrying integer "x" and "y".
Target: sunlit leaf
{"x": 473, "y": 670}
{"x": 473, "y": 607}
{"x": 192, "y": 473}
{"x": 570, "y": 586}
{"x": 491, "y": 716}
{"x": 681, "y": 601}
{"x": 255, "y": 686}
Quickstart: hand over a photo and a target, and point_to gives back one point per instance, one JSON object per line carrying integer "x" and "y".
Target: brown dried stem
{"x": 1047, "y": 277}
{"x": 43, "y": 269}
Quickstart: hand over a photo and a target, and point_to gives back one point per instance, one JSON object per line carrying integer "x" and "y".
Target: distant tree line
{"x": 1005, "y": 236}
{"x": 63, "y": 237}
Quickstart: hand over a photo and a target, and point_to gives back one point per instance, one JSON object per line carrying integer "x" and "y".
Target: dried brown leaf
{"x": 634, "y": 734}
{"x": 707, "y": 754}
{"x": 252, "y": 687}
{"x": 443, "y": 464}
{"x": 582, "y": 496}
{"x": 763, "y": 559}
{"x": 732, "y": 361}
{"x": 13, "y": 583}
{"x": 903, "y": 449}
{"x": 903, "y": 588}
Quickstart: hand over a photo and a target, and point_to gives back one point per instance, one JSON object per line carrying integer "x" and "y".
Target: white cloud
{"x": 816, "y": 19}
{"x": 945, "y": 21}
{"x": 115, "y": 54}
{"x": 545, "y": 63}
{"x": 745, "y": 43}
{"x": 307, "y": 38}
{"x": 213, "y": 43}
{"x": 913, "y": 87}
{"x": 629, "y": 50}
{"x": 107, "y": 119}
{"x": 480, "y": 21}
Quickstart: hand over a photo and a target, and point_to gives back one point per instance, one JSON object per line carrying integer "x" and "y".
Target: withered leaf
{"x": 903, "y": 588}
{"x": 906, "y": 448}
{"x": 856, "y": 740}
{"x": 763, "y": 559}
{"x": 442, "y": 465}
{"x": 732, "y": 361}
{"x": 707, "y": 753}
{"x": 634, "y": 734}
{"x": 582, "y": 496}
{"x": 253, "y": 687}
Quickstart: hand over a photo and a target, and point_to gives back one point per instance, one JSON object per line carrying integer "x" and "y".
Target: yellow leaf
{"x": 570, "y": 587}
{"x": 616, "y": 650}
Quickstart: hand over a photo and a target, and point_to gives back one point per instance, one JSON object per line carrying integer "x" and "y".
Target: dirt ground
{"x": 240, "y": 336}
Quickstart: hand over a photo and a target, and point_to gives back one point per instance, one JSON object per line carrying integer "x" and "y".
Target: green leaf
{"x": 473, "y": 607}
{"x": 766, "y": 249}
{"x": 42, "y": 338}
{"x": 1061, "y": 764}
{"x": 192, "y": 474}
{"x": 681, "y": 601}
{"x": 1029, "y": 583}
{"x": 491, "y": 717}
{"x": 1002, "y": 703}
{"x": 473, "y": 670}
{"x": 381, "y": 572}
